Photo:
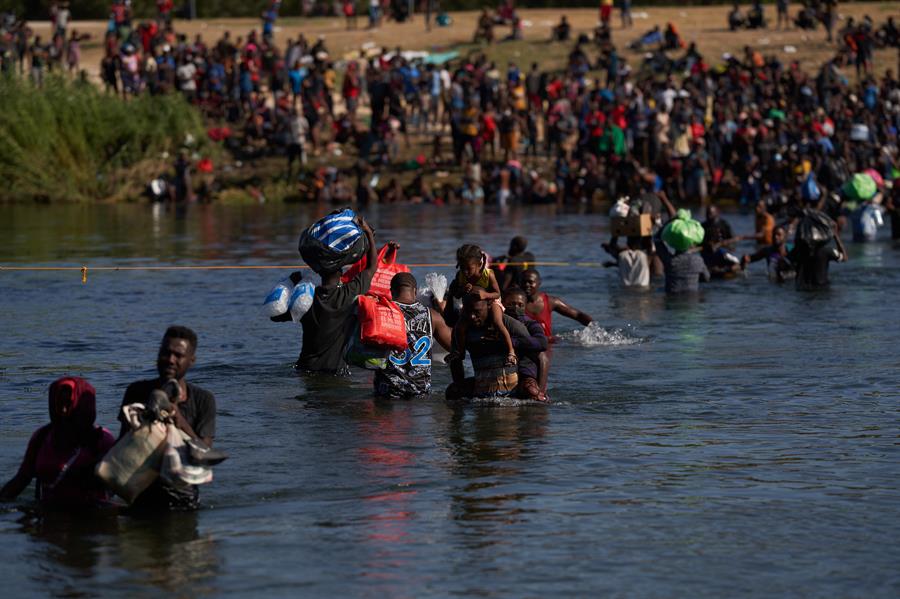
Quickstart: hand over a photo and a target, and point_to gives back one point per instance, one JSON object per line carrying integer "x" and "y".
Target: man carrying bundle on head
{"x": 327, "y": 246}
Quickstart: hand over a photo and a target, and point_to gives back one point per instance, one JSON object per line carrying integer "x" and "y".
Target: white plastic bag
{"x": 859, "y": 132}
{"x": 435, "y": 287}
{"x": 301, "y": 299}
{"x": 176, "y": 467}
{"x": 276, "y": 302}
{"x": 620, "y": 208}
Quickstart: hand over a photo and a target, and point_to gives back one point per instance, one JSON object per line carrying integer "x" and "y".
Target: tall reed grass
{"x": 70, "y": 141}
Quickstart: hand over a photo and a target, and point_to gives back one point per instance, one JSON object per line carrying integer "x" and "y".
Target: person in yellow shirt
{"x": 329, "y": 77}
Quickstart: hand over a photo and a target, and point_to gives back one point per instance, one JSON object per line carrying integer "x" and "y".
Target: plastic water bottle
{"x": 276, "y": 302}
{"x": 301, "y": 299}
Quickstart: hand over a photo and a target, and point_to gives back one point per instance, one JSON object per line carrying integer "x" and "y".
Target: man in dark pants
{"x": 195, "y": 413}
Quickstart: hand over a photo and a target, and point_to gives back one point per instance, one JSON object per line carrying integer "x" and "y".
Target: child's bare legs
{"x": 497, "y": 319}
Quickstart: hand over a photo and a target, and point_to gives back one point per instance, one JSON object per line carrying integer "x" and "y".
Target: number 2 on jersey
{"x": 418, "y": 356}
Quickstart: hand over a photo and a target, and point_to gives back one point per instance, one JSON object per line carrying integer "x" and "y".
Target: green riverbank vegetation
{"x": 71, "y": 142}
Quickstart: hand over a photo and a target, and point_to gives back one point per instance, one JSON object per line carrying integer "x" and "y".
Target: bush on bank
{"x": 70, "y": 141}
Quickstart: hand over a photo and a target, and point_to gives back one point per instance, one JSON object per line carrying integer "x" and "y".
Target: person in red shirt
{"x": 164, "y": 11}
{"x": 351, "y": 89}
{"x": 606, "y": 7}
{"x": 541, "y": 306}
{"x": 488, "y": 131}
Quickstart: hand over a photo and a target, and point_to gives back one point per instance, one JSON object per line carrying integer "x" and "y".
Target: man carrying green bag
{"x": 684, "y": 267}
{"x": 861, "y": 187}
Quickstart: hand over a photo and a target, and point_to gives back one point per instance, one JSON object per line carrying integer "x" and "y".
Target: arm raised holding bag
{"x": 360, "y": 283}
{"x": 330, "y": 320}
{"x": 385, "y": 269}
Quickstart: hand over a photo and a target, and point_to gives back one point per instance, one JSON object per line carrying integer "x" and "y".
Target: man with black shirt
{"x": 717, "y": 245}
{"x": 330, "y": 320}
{"x": 39, "y": 56}
{"x": 195, "y": 413}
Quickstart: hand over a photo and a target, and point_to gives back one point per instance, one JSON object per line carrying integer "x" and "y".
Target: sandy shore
{"x": 705, "y": 25}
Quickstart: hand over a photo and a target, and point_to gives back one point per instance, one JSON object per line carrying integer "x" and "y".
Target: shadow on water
{"x": 489, "y": 449}
{"x": 164, "y": 552}
{"x": 169, "y": 553}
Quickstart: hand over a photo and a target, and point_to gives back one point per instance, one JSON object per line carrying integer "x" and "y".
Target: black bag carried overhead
{"x": 834, "y": 172}
{"x": 815, "y": 229}
{"x": 333, "y": 242}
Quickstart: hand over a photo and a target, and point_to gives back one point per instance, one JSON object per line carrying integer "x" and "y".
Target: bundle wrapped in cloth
{"x": 682, "y": 232}
{"x": 333, "y": 242}
{"x": 814, "y": 229}
{"x": 133, "y": 463}
{"x": 154, "y": 448}
{"x": 860, "y": 187}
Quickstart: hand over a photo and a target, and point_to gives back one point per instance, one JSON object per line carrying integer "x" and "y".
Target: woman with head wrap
{"x": 62, "y": 455}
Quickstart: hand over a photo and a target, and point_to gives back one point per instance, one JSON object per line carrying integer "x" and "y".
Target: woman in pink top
{"x": 62, "y": 455}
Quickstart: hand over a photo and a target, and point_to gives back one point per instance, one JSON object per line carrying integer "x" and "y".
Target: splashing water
{"x": 594, "y": 335}
{"x": 502, "y": 402}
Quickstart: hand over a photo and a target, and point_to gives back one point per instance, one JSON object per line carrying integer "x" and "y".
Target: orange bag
{"x": 381, "y": 323}
{"x": 381, "y": 280}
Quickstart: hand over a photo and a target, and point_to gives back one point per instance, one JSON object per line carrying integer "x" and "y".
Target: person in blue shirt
{"x": 296, "y": 74}
{"x": 216, "y": 76}
{"x": 870, "y": 94}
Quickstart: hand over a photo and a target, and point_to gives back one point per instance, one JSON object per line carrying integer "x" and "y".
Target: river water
{"x": 745, "y": 443}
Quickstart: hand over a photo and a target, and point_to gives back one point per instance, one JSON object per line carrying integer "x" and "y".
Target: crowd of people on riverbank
{"x": 749, "y": 126}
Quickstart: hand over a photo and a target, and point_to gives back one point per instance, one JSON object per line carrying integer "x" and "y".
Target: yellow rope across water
{"x": 85, "y": 268}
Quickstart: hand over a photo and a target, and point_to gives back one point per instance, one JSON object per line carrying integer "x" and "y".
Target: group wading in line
{"x": 377, "y": 316}
{"x": 370, "y": 312}
{"x": 372, "y": 315}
